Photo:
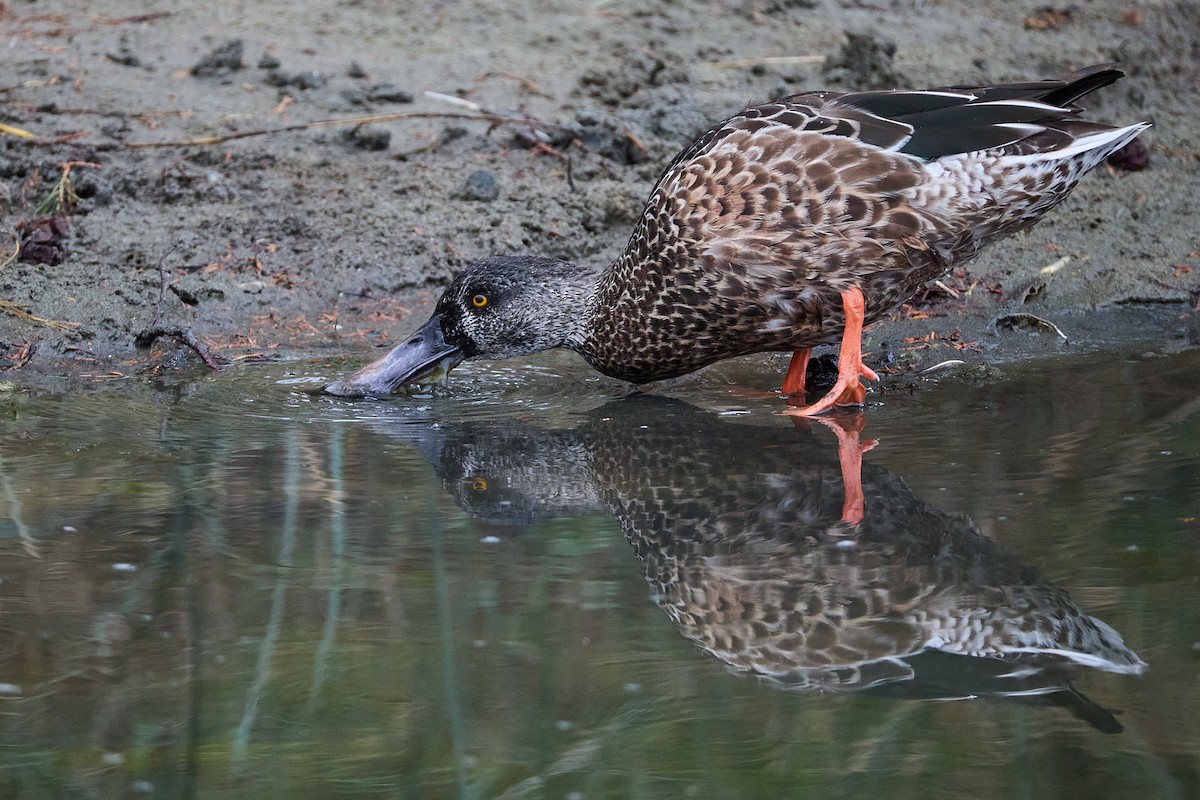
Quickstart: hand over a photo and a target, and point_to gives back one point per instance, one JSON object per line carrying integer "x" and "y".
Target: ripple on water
{"x": 549, "y": 383}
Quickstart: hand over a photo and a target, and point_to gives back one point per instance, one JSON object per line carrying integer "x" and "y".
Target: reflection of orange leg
{"x": 848, "y": 390}
{"x": 850, "y": 453}
{"x": 793, "y": 382}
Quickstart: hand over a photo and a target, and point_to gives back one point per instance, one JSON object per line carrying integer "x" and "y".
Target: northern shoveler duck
{"x": 786, "y": 226}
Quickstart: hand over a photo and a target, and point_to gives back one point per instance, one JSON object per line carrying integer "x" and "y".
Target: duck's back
{"x": 753, "y": 230}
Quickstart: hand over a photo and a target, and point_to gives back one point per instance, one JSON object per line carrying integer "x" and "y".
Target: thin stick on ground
{"x": 185, "y": 335}
{"x": 9, "y": 307}
{"x": 20, "y": 133}
{"x": 776, "y": 61}
{"x": 162, "y": 284}
{"x": 24, "y": 356}
{"x": 15, "y": 254}
{"x": 481, "y": 116}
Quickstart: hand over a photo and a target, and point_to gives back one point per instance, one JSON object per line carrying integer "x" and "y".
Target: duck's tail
{"x": 1093, "y": 144}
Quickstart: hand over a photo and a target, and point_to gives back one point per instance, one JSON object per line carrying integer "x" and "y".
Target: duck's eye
{"x": 479, "y": 300}
{"x": 479, "y": 484}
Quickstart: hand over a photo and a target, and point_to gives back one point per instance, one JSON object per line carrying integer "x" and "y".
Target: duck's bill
{"x": 421, "y": 358}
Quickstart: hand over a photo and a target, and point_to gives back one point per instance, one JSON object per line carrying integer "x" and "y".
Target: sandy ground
{"x": 336, "y": 239}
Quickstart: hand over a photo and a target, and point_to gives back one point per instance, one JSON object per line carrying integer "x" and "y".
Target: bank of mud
{"x": 334, "y": 239}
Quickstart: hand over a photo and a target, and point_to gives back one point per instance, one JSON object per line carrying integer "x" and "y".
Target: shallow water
{"x": 526, "y": 586}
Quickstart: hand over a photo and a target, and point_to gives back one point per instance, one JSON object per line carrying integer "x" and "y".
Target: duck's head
{"x": 500, "y": 307}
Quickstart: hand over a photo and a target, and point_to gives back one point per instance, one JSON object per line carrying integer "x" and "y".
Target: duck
{"x": 787, "y": 226}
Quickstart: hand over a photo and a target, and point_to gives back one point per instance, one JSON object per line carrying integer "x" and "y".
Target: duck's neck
{"x": 581, "y": 291}
{"x": 600, "y": 328}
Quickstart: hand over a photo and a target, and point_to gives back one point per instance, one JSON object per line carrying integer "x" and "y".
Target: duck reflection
{"x": 742, "y": 537}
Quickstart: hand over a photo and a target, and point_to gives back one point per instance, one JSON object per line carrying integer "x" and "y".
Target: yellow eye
{"x": 479, "y": 484}
{"x": 479, "y": 300}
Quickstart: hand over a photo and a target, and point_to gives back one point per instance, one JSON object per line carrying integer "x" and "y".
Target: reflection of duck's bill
{"x": 424, "y": 356}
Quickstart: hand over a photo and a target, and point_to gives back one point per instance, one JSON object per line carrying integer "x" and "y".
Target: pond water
{"x": 527, "y": 586}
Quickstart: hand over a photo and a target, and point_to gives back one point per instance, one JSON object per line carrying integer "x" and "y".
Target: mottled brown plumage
{"x": 765, "y": 232}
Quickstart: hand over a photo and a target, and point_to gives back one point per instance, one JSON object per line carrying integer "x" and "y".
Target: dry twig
{"x": 480, "y": 116}
{"x": 16, "y": 310}
{"x": 11, "y": 257}
{"x": 20, "y": 133}
{"x": 776, "y": 61}
{"x": 185, "y": 335}
{"x": 147, "y": 337}
{"x": 162, "y": 285}
{"x": 24, "y": 356}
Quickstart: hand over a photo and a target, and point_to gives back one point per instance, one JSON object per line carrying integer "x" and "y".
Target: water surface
{"x": 527, "y": 586}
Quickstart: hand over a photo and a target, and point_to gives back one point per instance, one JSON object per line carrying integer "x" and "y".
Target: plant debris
{"x": 44, "y": 240}
{"x": 1048, "y": 18}
{"x": 62, "y": 197}
{"x": 16, "y": 310}
{"x": 147, "y": 337}
{"x": 23, "y": 355}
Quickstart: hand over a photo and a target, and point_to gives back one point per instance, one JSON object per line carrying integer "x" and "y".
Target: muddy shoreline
{"x": 331, "y": 240}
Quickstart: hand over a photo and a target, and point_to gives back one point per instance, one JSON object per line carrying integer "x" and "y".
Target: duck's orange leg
{"x": 793, "y": 382}
{"x": 848, "y": 391}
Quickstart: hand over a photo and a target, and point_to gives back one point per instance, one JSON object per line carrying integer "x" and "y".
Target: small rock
{"x": 115, "y": 129}
{"x": 312, "y": 79}
{"x": 388, "y": 93}
{"x": 379, "y": 93}
{"x": 185, "y": 297}
{"x": 368, "y": 137}
{"x": 1133, "y": 157}
{"x": 44, "y": 240}
{"x": 481, "y": 185}
{"x": 865, "y": 62}
{"x": 124, "y": 56}
{"x": 268, "y": 61}
{"x": 780, "y": 6}
{"x": 293, "y": 227}
{"x": 356, "y": 70}
{"x": 604, "y": 134}
{"x": 94, "y": 187}
{"x": 221, "y": 61}
{"x": 301, "y": 80}
{"x": 276, "y": 78}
